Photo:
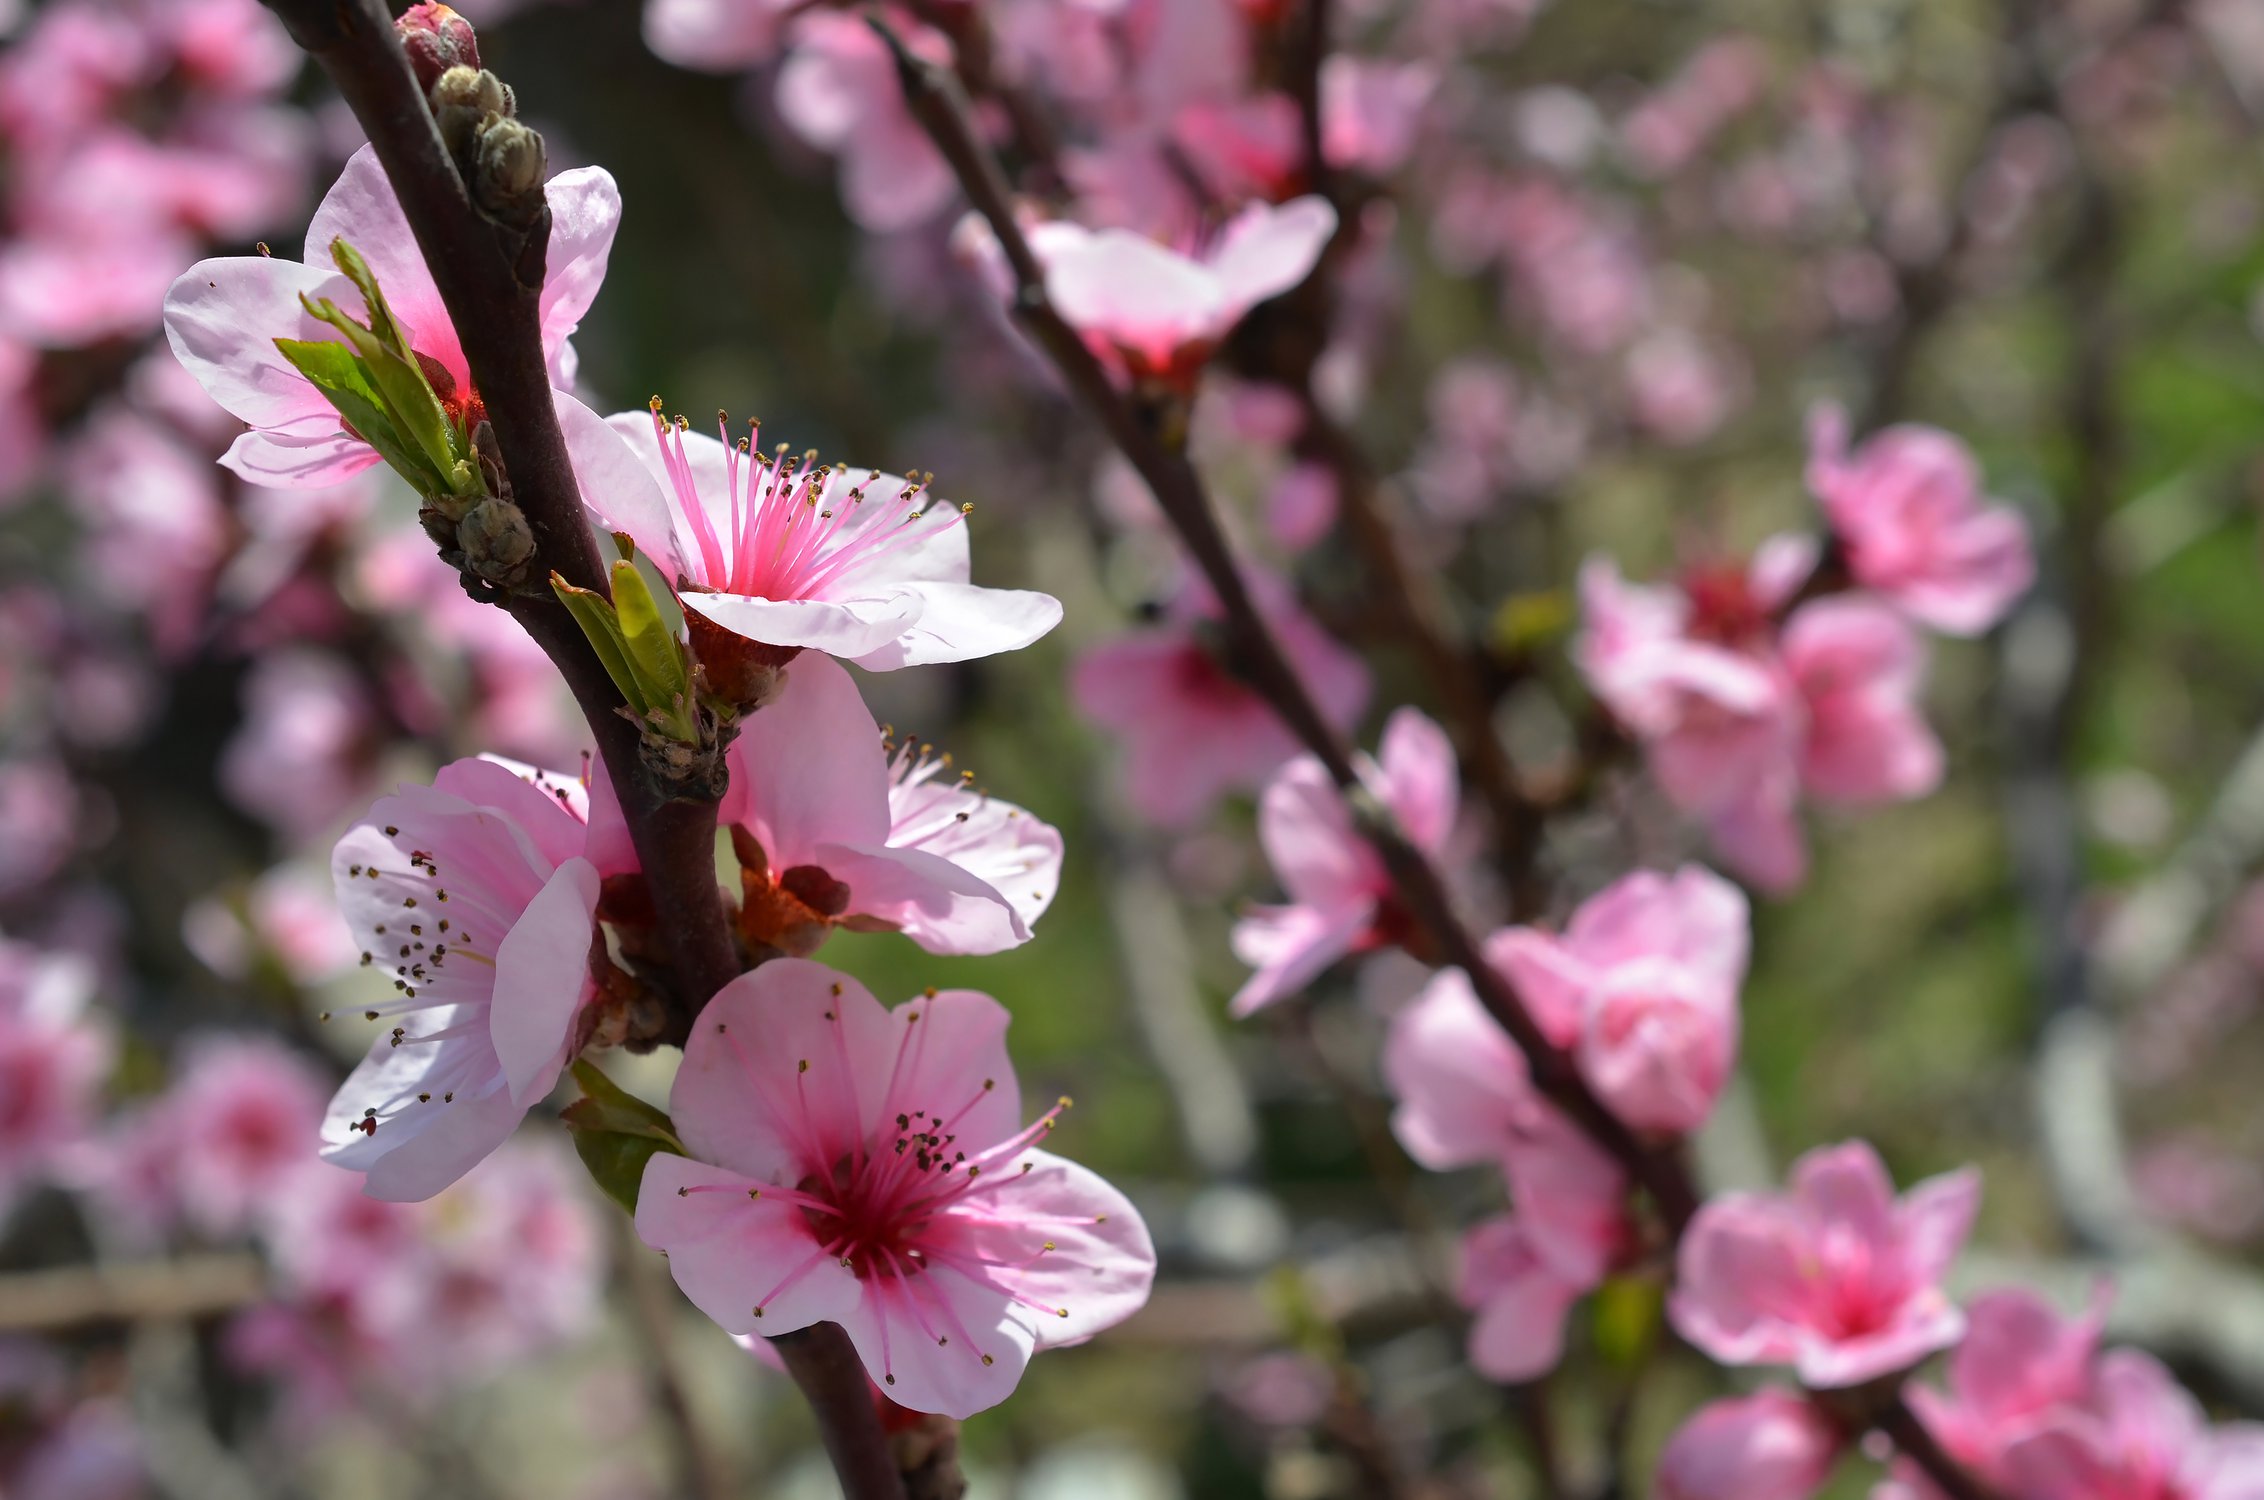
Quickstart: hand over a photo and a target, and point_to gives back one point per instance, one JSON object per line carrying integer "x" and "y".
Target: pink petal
{"x": 619, "y": 484}
{"x": 1102, "y": 1264}
{"x": 742, "y": 1097}
{"x": 585, "y": 210}
{"x": 846, "y": 628}
{"x": 727, "y": 1250}
{"x": 1462, "y": 1085}
{"x": 278, "y": 461}
{"x": 1422, "y": 784}
{"x": 1264, "y": 250}
{"x": 809, "y": 768}
{"x": 1289, "y": 947}
{"x": 360, "y": 209}
{"x": 222, "y": 318}
{"x": 897, "y": 1329}
{"x": 542, "y": 978}
{"x": 961, "y": 622}
{"x": 1548, "y": 978}
{"x": 1933, "y": 1220}
{"x": 1307, "y": 833}
{"x": 935, "y": 903}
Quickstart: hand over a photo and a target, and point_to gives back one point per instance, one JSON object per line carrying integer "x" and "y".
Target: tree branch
{"x": 490, "y": 278}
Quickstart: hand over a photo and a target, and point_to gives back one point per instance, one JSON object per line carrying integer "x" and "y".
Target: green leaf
{"x": 603, "y": 627}
{"x": 616, "y": 1134}
{"x": 344, "y": 380}
{"x": 395, "y": 371}
{"x": 654, "y": 653}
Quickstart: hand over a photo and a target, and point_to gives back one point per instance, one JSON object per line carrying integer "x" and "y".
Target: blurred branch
{"x": 699, "y": 1467}
{"x": 490, "y": 278}
{"x": 181, "y": 1290}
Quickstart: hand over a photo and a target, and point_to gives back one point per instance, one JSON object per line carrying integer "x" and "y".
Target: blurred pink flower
{"x": 2019, "y": 1364}
{"x": 1682, "y": 388}
{"x": 1154, "y": 313}
{"x": 1834, "y": 1277}
{"x": 1671, "y": 126}
{"x": 419, "y": 1299}
{"x": 1909, "y": 512}
{"x": 478, "y": 894}
{"x": 223, "y": 317}
{"x": 242, "y": 1119}
{"x": 1739, "y": 718}
{"x": 768, "y": 548}
{"x": 40, "y": 822}
{"x": 850, "y": 1167}
{"x": 1342, "y": 899}
{"x": 302, "y": 753}
{"x": 1466, "y": 1098}
{"x": 54, "y": 1056}
{"x": 717, "y": 36}
{"x": 1188, "y": 729}
{"x": 838, "y": 91}
{"x": 847, "y": 837}
{"x": 1771, "y": 1445}
{"x": 1372, "y": 110}
{"x": 2135, "y": 1433}
{"x": 155, "y": 530}
{"x": 1643, "y": 987}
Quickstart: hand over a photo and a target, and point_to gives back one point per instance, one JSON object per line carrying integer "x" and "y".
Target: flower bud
{"x": 436, "y": 39}
{"x": 498, "y": 544}
{"x": 508, "y": 167}
{"x": 470, "y": 88}
{"x": 1771, "y": 1445}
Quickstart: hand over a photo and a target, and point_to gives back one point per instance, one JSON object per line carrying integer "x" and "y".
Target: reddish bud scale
{"x": 436, "y": 39}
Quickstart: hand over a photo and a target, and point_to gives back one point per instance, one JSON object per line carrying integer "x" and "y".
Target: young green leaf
{"x": 603, "y": 627}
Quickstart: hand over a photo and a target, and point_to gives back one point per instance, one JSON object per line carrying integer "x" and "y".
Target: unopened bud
{"x": 470, "y": 88}
{"x": 436, "y": 39}
{"x": 489, "y": 453}
{"x": 498, "y": 544}
{"x": 508, "y": 167}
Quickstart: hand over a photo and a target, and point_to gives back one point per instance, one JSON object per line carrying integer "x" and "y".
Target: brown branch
{"x": 490, "y": 276}
{"x": 1659, "y": 1168}
{"x": 941, "y": 106}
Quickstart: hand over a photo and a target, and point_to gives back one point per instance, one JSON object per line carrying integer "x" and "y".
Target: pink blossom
{"x": 1835, "y": 1277}
{"x": 721, "y": 36}
{"x": 1740, "y": 719}
{"x": 1151, "y": 312}
{"x": 1341, "y": 896}
{"x": 2136, "y": 1434}
{"x": 421, "y": 1298}
{"x": 1682, "y": 388}
{"x": 871, "y": 570}
{"x": 2020, "y": 1364}
{"x": 39, "y": 822}
{"x": 1521, "y": 1299}
{"x": 156, "y": 531}
{"x": 223, "y": 317}
{"x": 54, "y": 1056}
{"x": 1643, "y": 987}
{"x": 847, "y": 835}
{"x": 242, "y": 1119}
{"x": 1371, "y": 111}
{"x": 1771, "y": 1445}
{"x": 1674, "y": 124}
{"x": 838, "y": 91}
{"x": 477, "y": 897}
{"x": 1466, "y": 1098}
{"x": 1189, "y": 730}
{"x": 866, "y": 1167}
{"x": 1301, "y": 506}
{"x": 1911, "y": 518}
{"x": 301, "y": 754}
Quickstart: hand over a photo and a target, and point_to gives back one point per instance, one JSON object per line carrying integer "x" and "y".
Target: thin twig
{"x": 937, "y": 100}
